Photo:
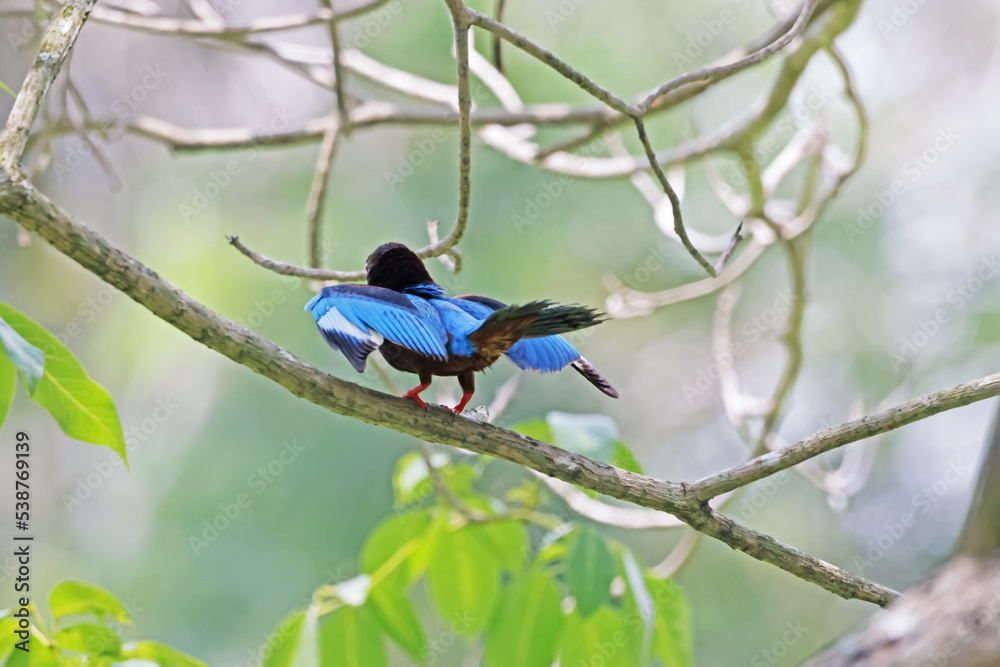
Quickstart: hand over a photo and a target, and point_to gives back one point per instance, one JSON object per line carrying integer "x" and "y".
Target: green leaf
{"x": 527, "y": 494}
{"x": 622, "y": 457}
{"x": 551, "y": 553}
{"x": 4, "y": 87}
{"x": 307, "y": 649}
{"x": 598, "y": 640}
{"x": 421, "y": 559}
{"x": 525, "y": 629}
{"x": 163, "y": 655}
{"x": 77, "y": 597}
{"x": 387, "y": 539}
{"x": 411, "y": 481}
{"x": 459, "y": 478}
{"x": 90, "y": 638}
{"x": 8, "y": 383}
{"x": 8, "y": 626}
{"x": 507, "y": 539}
{"x": 672, "y": 641}
{"x": 464, "y": 580}
{"x": 534, "y": 428}
{"x": 553, "y": 545}
{"x": 589, "y": 571}
{"x": 593, "y": 436}
{"x": 28, "y": 358}
{"x": 37, "y": 655}
{"x": 295, "y": 642}
{"x": 395, "y": 613}
{"x": 352, "y": 638}
{"x": 83, "y": 409}
{"x": 640, "y": 612}
{"x": 284, "y": 640}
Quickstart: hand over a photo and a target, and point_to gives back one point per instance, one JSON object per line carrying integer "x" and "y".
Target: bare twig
{"x": 317, "y": 195}
{"x": 460, "y": 23}
{"x": 795, "y": 253}
{"x": 852, "y": 431}
{"x": 286, "y": 269}
{"x": 722, "y": 72}
{"x": 601, "y": 512}
{"x": 201, "y": 28}
{"x": 532, "y": 49}
{"x": 679, "y": 555}
{"x": 53, "y": 52}
{"x": 497, "y": 55}
{"x": 675, "y": 201}
{"x": 340, "y": 80}
{"x": 71, "y": 91}
{"x": 727, "y": 254}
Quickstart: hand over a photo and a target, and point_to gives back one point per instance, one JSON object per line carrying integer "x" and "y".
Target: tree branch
{"x": 317, "y": 197}
{"x": 63, "y": 30}
{"x": 675, "y": 202}
{"x": 460, "y": 22}
{"x": 286, "y": 269}
{"x": 200, "y": 28}
{"x": 852, "y": 431}
{"x": 550, "y": 59}
{"x": 340, "y": 79}
{"x": 722, "y": 72}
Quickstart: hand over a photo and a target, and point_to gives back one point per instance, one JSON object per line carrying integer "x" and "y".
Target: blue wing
{"x": 356, "y": 318}
{"x": 479, "y": 307}
{"x": 546, "y": 354}
{"x": 461, "y": 318}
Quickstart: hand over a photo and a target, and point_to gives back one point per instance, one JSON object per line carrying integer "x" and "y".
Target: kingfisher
{"x": 418, "y": 328}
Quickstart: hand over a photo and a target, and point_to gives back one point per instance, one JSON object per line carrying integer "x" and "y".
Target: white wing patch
{"x": 333, "y": 320}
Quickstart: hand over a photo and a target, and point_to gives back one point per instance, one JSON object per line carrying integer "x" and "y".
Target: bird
{"x": 418, "y": 328}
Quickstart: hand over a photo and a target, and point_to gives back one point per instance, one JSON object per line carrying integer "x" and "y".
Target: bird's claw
{"x": 415, "y": 395}
{"x": 457, "y": 410}
{"x": 419, "y": 401}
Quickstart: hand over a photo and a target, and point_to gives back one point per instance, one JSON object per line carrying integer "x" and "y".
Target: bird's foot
{"x": 457, "y": 410}
{"x": 415, "y": 395}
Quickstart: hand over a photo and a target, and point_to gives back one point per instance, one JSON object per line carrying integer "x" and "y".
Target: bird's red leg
{"x": 467, "y": 381}
{"x": 461, "y": 404}
{"x": 425, "y": 381}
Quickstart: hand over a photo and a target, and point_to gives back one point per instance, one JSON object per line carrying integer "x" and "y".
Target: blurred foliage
{"x": 66, "y": 640}
{"x": 527, "y": 601}
{"x": 56, "y": 381}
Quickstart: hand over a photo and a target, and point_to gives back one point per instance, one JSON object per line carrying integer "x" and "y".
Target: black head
{"x": 395, "y": 267}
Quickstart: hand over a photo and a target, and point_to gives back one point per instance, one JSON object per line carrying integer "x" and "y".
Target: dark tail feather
{"x": 549, "y": 319}
{"x": 563, "y": 319}
{"x": 506, "y": 326}
{"x": 507, "y": 313}
{"x": 583, "y": 367}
